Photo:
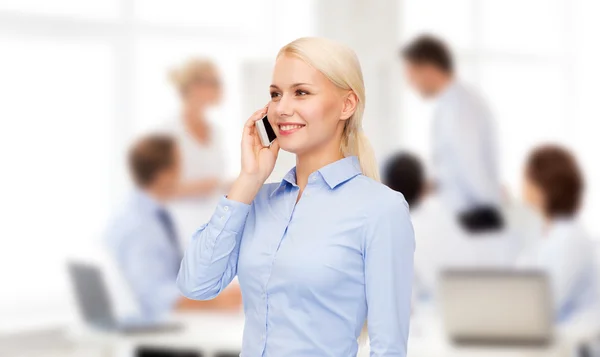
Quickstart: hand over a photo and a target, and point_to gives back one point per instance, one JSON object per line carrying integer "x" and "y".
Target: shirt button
{"x": 226, "y": 208}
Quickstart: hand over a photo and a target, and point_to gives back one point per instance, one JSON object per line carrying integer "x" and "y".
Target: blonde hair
{"x": 340, "y": 65}
{"x": 194, "y": 69}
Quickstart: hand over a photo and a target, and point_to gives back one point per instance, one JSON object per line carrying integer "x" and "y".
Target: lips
{"x": 289, "y": 128}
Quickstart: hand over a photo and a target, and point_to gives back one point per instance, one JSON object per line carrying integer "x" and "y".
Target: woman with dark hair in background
{"x": 553, "y": 186}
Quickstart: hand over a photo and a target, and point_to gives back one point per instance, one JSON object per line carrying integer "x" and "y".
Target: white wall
{"x": 370, "y": 28}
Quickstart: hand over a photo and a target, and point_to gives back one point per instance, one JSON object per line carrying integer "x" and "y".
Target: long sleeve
{"x": 471, "y": 146}
{"x": 564, "y": 260}
{"x": 564, "y": 270}
{"x": 389, "y": 255}
{"x": 465, "y": 150}
{"x": 147, "y": 269}
{"x": 210, "y": 261}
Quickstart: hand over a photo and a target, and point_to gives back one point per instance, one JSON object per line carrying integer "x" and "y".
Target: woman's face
{"x": 307, "y": 111}
{"x": 204, "y": 92}
{"x": 533, "y": 195}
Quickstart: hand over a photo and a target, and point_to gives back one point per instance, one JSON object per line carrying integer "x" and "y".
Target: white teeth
{"x": 290, "y": 127}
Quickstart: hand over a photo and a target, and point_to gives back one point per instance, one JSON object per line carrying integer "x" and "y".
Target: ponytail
{"x": 355, "y": 142}
{"x": 366, "y": 156}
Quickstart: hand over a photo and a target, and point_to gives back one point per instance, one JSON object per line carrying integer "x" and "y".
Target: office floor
{"x": 44, "y": 344}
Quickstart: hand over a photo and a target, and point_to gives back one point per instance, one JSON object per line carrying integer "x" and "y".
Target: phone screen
{"x": 269, "y": 129}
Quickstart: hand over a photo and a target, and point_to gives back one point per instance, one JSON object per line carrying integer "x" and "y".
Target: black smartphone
{"x": 265, "y": 131}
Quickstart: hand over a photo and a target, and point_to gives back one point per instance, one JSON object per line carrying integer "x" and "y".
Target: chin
{"x": 289, "y": 148}
{"x": 292, "y": 146}
{"x": 426, "y": 94}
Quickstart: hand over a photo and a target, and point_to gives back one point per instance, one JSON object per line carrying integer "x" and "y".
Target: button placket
{"x": 276, "y": 248}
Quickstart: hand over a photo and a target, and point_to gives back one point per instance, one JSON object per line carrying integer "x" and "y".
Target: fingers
{"x": 274, "y": 147}
{"x": 257, "y": 142}
{"x": 249, "y": 128}
{"x": 250, "y": 139}
{"x": 259, "y": 114}
{"x": 247, "y": 135}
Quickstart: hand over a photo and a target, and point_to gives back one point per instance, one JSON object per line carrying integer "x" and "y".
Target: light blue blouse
{"x": 311, "y": 272}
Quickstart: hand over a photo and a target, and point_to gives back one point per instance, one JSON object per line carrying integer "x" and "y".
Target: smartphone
{"x": 265, "y": 131}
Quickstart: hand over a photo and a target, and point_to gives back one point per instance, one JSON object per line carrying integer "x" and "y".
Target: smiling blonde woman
{"x": 326, "y": 248}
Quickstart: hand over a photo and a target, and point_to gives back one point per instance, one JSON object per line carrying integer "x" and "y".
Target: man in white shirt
{"x": 464, "y": 141}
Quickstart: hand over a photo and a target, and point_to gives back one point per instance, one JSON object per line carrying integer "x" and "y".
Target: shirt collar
{"x": 333, "y": 174}
{"x": 341, "y": 171}
{"x": 448, "y": 90}
{"x": 146, "y": 201}
{"x": 560, "y": 225}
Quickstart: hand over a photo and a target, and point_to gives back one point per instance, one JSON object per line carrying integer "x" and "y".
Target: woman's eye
{"x": 274, "y": 95}
{"x": 301, "y": 92}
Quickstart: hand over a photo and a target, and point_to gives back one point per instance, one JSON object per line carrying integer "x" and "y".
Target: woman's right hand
{"x": 257, "y": 161}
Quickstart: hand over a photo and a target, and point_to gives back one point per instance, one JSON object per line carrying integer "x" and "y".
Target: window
{"x": 535, "y": 27}
{"x": 80, "y": 79}
{"x": 536, "y": 63}
{"x": 243, "y": 18}
{"x": 90, "y": 9}
{"x": 56, "y": 146}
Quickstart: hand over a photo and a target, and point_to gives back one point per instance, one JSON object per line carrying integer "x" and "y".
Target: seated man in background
{"x": 441, "y": 242}
{"x": 142, "y": 238}
{"x": 553, "y": 186}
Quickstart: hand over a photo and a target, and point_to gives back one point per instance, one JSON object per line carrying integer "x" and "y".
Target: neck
{"x": 548, "y": 222}
{"x": 193, "y": 113}
{"x": 157, "y": 194}
{"x": 311, "y": 162}
{"x": 443, "y": 82}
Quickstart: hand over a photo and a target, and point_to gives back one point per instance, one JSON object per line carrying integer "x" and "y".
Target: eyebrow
{"x": 292, "y": 86}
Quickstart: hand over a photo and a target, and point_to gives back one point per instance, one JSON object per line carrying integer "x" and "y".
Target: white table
{"x": 212, "y": 333}
{"x": 208, "y": 333}
{"x": 427, "y": 339}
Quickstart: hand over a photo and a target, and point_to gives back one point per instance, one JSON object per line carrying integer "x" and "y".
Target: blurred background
{"x": 81, "y": 80}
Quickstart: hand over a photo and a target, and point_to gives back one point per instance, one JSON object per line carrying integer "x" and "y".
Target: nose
{"x": 284, "y": 107}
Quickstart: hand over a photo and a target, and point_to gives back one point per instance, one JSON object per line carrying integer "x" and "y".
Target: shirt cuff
{"x": 230, "y": 215}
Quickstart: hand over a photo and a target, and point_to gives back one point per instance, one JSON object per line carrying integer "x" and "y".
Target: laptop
{"x": 95, "y": 306}
{"x": 497, "y": 307}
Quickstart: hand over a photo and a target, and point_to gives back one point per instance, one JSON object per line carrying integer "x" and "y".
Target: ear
{"x": 349, "y": 106}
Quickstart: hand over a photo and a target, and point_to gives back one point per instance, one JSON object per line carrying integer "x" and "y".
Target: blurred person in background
{"x": 142, "y": 238}
{"x": 199, "y": 86}
{"x": 404, "y": 173}
{"x": 464, "y": 137}
{"x": 440, "y": 240}
{"x": 553, "y": 186}
{"x": 327, "y": 247}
